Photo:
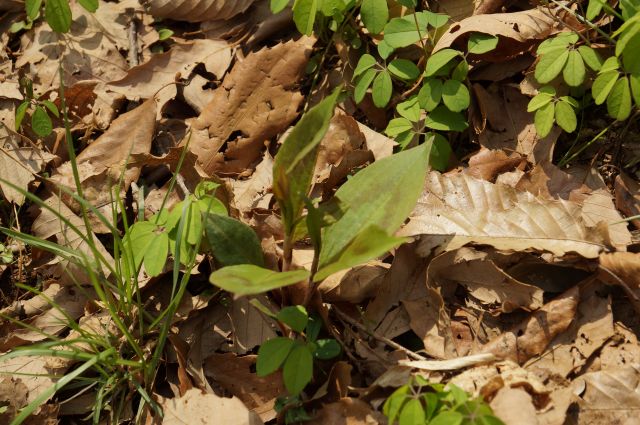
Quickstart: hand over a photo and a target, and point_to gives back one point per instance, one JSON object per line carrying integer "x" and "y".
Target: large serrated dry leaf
{"x": 458, "y": 209}
{"x": 197, "y": 10}
{"x": 257, "y": 100}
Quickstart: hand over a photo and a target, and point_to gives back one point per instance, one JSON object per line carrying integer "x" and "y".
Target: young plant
{"x": 40, "y": 109}
{"x": 57, "y": 13}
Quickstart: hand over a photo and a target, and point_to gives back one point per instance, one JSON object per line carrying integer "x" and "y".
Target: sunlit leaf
{"x": 619, "y": 100}
{"x": 365, "y": 62}
{"x": 481, "y": 43}
{"x": 272, "y": 354}
{"x": 438, "y": 60}
{"x": 441, "y": 118}
{"x": 382, "y": 89}
{"x": 374, "y": 14}
{"x": 247, "y": 279}
{"x": 403, "y": 68}
{"x": 574, "y": 70}
{"x": 298, "y": 369}
{"x": 543, "y": 119}
{"x": 550, "y": 65}
{"x": 566, "y": 117}
{"x": 363, "y": 85}
{"x": 58, "y": 15}
{"x": 430, "y": 94}
{"x": 455, "y": 95}
{"x": 304, "y": 15}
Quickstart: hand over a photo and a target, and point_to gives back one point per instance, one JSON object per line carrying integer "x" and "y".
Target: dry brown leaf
{"x": 250, "y": 327}
{"x": 254, "y": 192}
{"x": 457, "y": 209}
{"x": 257, "y": 100}
{"x": 348, "y": 411}
{"x": 197, "y": 10}
{"x": 514, "y": 406}
{"x": 628, "y": 197}
{"x": 196, "y": 407}
{"x": 354, "y": 285}
{"x": 380, "y": 145}
{"x": 487, "y": 164}
{"x": 456, "y": 9}
{"x": 33, "y": 371}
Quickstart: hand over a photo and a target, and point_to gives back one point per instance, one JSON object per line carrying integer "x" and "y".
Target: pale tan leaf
{"x": 378, "y": 143}
{"x": 197, "y": 10}
{"x": 514, "y": 407}
{"x": 457, "y": 209}
{"x": 348, "y": 411}
{"x": 250, "y": 327}
{"x": 487, "y": 164}
{"x": 627, "y": 193}
{"x": 254, "y": 191}
{"x": 452, "y": 364}
{"x": 32, "y": 371}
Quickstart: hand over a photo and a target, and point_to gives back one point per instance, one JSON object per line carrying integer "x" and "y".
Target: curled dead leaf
{"x": 197, "y": 10}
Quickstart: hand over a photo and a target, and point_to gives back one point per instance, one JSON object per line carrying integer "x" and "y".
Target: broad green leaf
{"x": 247, "y": 279}
{"x": 149, "y": 245}
{"x": 590, "y": 57}
{"x": 384, "y": 49}
{"x": 382, "y": 89}
{"x": 405, "y": 138}
{"x": 374, "y": 14}
{"x": 539, "y": 101}
{"x": 164, "y": 34}
{"x": 370, "y": 243}
{"x": 304, "y": 15}
{"x": 363, "y": 84}
{"x": 440, "y": 151}
{"x": 365, "y": 205}
{"x": 294, "y": 316}
{"x": 570, "y": 101}
{"x": 481, "y": 43}
{"x": 403, "y": 68}
{"x": 365, "y": 62}
{"x": 602, "y": 86}
{"x": 412, "y": 413}
{"x": 461, "y": 71}
{"x": 51, "y": 107}
{"x": 278, "y": 6}
{"x": 594, "y": 8}
{"x": 550, "y": 65}
{"x": 296, "y": 160}
{"x": 410, "y": 109}
{"x": 447, "y": 417}
{"x": 89, "y": 5}
{"x": 610, "y": 64}
{"x": 560, "y": 41}
{"x": 272, "y": 354}
{"x": 574, "y": 71}
{"x": 631, "y": 30}
{"x": 455, "y": 95}
{"x": 232, "y": 241}
{"x": 397, "y": 126}
{"x": 543, "y": 119}
{"x": 156, "y": 253}
{"x": 566, "y": 117}
{"x": 436, "y": 20}
{"x": 630, "y": 56}
{"x": 634, "y": 82}
{"x": 392, "y": 406}
{"x": 409, "y": 3}
{"x": 332, "y": 9}
{"x": 403, "y": 32}
{"x": 32, "y": 7}
{"x": 327, "y": 349}
{"x": 442, "y": 118}
{"x": 298, "y": 369}
{"x": 489, "y": 420}
{"x": 619, "y": 100}
{"x": 438, "y": 60}
{"x": 192, "y": 214}
{"x": 20, "y": 111}
{"x": 40, "y": 122}
{"x": 58, "y": 15}
{"x": 430, "y": 94}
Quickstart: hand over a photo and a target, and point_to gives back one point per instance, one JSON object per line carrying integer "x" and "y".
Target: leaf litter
{"x": 519, "y": 282}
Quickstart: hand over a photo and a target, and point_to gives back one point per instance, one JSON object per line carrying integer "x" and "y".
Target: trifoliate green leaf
{"x": 619, "y": 100}
{"x": 455, "y": 95}
{"x": 590, "y": 57}
{"x": 574, "y": 70}
{"x": 566, "y": 117}
{"x": 481, "y": 43}
{"x": 382, "y": 89}
{"x": 365, "y": 62}
{"x": 430, "y": 94}
{"x": 363, "y": 85}
{"x": 543, "y": 119}
{"x": 539, "y": 101}
{"x": 551, "y": 64}
{"x": 403, "y": 68}
{"x": 438, "y": 60}
{"x": 603, "y": 85}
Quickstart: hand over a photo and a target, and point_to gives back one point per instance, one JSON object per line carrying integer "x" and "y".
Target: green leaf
{"x": 89, "y": 5}
{"x": 32, "y": 7}
{"x": 594, "y": 8}
{"x": 232, "y": 241}
{"x": 543, "y": 119}
{"x": 409, "y": 3}
{"x": 619, "y": 100}
{"x": 550, "y": 65}
{"x": 402, "y": 32}
{"x": 304, "y": 15}
{"x": 370, "y": 243}
{"x": 327, "y": 349}
{"x": 294, "y": 316}
{"x": 40, "y": 122}
{"x": 566, "y": 117}
{"x": 51, "y": 107}
{"x": 403, "y": 68}
{"x": 438, "y": 60}
{"x": 395, "y": 402}
{"x": 539, "y": 101}
{"x": 561, "y": 41}
{"x": 190, "y": 212}
{"x": 430, "y": 94}
{"x": 374, "y": 14}
{"x": 278, "y": 6}
{"x": 365, "y": 205}
{"x": 455, "y": 95}
{"x": 574, "y": 71}
{"x": 272, "y": 354}
{"x": 149, "y": 244}
{"x": 440, "y": 151}
{"x": 610, "y": 64}
{"x": 447, "y": 417}
{"x": 443, "y": 119}
{"x": 590, "y": 57}
{"x": 296, "y": 160}
{"x": 481, "y": 43}
{"x": 363, "y": 84}
{"x": 630, "y": 56}
{"x": 247, "y": 279}
{"x": 634, "y": 82}
{"x": 436, "y": 20}
{"x": 397, "y": 126}
{"x": 489, "y": 420}
{"x": 409, "y": 109}
{"x": 412, "y": 413}
{"x": 164, "y": 34}
{"x": 461, "y": 71}
{"x": 156, "y": 253}
{"x": 58, "y": 15}
{"x": 382, "y": 89}
{"x": 20, "y": 111}
{"x": 298, "y": 369}
{"x": 602, "y": 86}
{"x": 365, "y": 62}
{"x": 384, "y": 50}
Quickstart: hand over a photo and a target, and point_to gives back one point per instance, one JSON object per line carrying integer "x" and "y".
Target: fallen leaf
{"x": 380, "y": 145}
{"x": 347, "y": 411}
{"x": 487, "y": 164}
{"x": 514, "y": 407}
{"x": 254, "y": 192}
{"x": 198, "y": 10}
{"x": 627, "y": 198}
{"x": 354, "y": 285}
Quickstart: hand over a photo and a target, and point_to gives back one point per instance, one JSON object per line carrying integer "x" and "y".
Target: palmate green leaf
{"x": 32, "y": 7}
{"x": 232, "y": 241}
{"x": 543, "y": 119}
{"x": 247, "y": 279}
{"x": 441, "y": 118}
{"x": 602, "y": 86}
{"x": 298, "y": 369}
{"x": 365, "y": 205}
{"x": 412, "y": 413}
{"x": 278, "y": 6}
{"x": 304, "y": 15}
{"x": 566, "y": 117}
{"x": 438, "y": 60}
{"x": 461, "y": 71}
{"x": 590, "y": 57}
{"x": 296, "y": 159}
{"x": 619, "y": 100}
{"x": 382, "y": 89}
{"x": 402, "y": 32}
{"x": 436, "y": 20}
{"x": 20, "y": 112}
{"x": 430, "y": 94}
{"x": 397, "y": 126}
{"x": 384, "y": 49}
{"x": 410, "y": 109}
{"x": 455, "y": 95}
{"x": 89, "y": 5}
{"x": 327, "y": 349}
{"x": 365, "y": 62}
{"x": 403, "y": 68}
{"x": 295, "y": 316}
{"x": 40, "y": 122}
{"x": 363, "y": 85}
{"x": 58, "y": 15}
{"x": 550, "y": 65}
{"x": 272, "y": 354}
{"x": 574, "y": 70}
{"x": 393, "y": 405}
{"x": 374, "y": 14}
{"x": 539, "y": 101}
{"x": 481, "y": 43}
{"x": 440, "y": 151}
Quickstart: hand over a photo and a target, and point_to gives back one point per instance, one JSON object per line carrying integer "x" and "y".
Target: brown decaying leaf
{"x": 627, "y": 193}
{"x": 257, "y": 100}
{"x": 354, "y": 285}
{"x": 487, "y": 164}
{"x": 514, "y": 406}
{"x": 197, "y": 10}
{"x": 347, "y": 411}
